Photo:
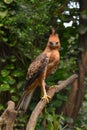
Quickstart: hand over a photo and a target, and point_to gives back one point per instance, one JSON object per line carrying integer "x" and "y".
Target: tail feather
{"x": 24, "y": 102}
{"x": 20, "y": 102}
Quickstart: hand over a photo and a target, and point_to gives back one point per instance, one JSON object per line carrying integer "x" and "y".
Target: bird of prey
{"x": 40, "y": 68}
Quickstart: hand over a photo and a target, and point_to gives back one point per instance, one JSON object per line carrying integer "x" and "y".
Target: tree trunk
{"x": 76, "y": 96}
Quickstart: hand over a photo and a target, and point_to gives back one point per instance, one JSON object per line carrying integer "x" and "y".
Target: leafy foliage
{"x": 53, "y": 121}
{"x": 24, "y": 30}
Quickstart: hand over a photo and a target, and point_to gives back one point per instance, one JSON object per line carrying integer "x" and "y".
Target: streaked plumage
{"x": 40, "y": 68}
{"x": 36, "y": 68}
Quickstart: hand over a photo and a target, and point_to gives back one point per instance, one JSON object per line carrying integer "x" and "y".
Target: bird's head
{"x": 53, "y": 41}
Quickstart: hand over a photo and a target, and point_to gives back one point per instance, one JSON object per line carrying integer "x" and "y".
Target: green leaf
{"x": 4, "y": 87}
{"x": 49, "y": 117}
{"x": 32, "y": 106}
{"x": 62, "y": 97}
{"x": 32, "y": 1}
{"x": 10, "y": 67}
{"x": 2, "y": 32}
{"x": 13, "y": 59}
{"x": 12, "y": 44}
{"x": 5, "y": 39}
{"x": 57, "y": 103}
{"x": 1, "y": 24}
{"x": 3, "y": 14}
{"x": 50, "y": 126}
{"x": 1, "y": 107}
{"x": 20, "y": 84}
{"x": 18, "y": 73}
{"x": 13, "y": 90}
{"x": 14, "y": 98}
{"x": 10, "y": 80}
{"x": 8, "y": 1}
{"x": 79, "y": 128}
{"x": 7, "y": 80}
{"x": 2, "y": 79}
{"x": 3, "y": 60}
{"x": 4, "y": 73}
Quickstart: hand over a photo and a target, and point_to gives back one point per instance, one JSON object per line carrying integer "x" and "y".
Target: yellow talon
{"x": 46, "y": 97}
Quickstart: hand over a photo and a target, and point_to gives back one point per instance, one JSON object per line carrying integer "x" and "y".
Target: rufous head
{"x": 53, "y": 41}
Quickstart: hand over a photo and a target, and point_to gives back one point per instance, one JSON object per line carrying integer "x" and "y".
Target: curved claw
{"x": 46, "y": 97}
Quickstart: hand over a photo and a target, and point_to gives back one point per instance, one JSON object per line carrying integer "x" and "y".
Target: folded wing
{"x": 36, "y": 68}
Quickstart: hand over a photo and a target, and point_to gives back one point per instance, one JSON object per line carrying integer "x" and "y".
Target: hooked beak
{"x": 53, "y": 44}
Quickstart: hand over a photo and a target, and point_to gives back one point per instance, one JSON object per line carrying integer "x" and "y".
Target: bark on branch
{"x": 8, "y": 117}
{"x": 38, "y": 109}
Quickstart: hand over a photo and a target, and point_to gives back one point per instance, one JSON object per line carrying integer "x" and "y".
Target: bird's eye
{"x": 56, "y": 43}
{"x": 51, "y": 43}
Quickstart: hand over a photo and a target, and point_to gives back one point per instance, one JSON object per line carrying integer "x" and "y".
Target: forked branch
{"x": 51, "y": 92}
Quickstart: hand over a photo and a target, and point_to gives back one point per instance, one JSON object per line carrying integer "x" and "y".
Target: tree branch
{"x": 38, "y": 109}
{"x": 8, "y": 117}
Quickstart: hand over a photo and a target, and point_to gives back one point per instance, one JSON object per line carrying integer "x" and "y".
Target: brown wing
{"x": 36, "y": 68}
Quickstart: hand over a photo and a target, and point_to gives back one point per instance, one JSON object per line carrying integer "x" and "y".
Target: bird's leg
{"x": 43, "y": 84}
{"x": 45, "y": 96}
